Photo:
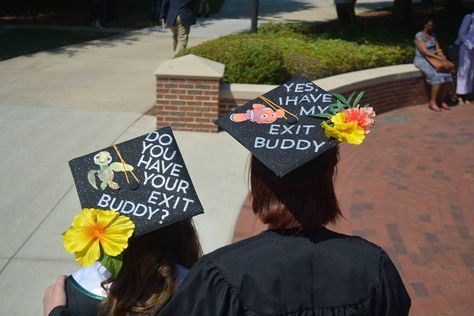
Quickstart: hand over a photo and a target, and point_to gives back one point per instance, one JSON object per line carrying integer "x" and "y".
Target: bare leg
{"x": 443, "y": 93}
{"x": 434, "y": 93}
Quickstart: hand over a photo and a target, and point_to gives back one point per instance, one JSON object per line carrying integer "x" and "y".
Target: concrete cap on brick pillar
{"x": 190, "y": 67}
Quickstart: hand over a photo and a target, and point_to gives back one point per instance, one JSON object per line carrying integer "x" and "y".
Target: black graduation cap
{"x": 277, "y": 128}
{"x": 144, "y": 178}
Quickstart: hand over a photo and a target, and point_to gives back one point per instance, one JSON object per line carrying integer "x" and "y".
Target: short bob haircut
{"x": 303, "y": 199}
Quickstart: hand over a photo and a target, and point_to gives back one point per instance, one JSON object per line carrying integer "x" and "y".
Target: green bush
{"x": 247, "y": 58}
{"x": 281, "y": 51}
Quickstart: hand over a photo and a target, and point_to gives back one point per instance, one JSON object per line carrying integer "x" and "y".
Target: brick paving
{"x": 410, "y": 189}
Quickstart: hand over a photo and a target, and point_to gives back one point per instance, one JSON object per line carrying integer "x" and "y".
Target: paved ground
{"x": 410, "y": 189}
{"x": 60, "y": 104}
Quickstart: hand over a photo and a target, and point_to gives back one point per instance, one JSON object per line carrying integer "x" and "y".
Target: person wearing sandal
{"x": 465, "y": 40}
{"x": 428, "y": 47}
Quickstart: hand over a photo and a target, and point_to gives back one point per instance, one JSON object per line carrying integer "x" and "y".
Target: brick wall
{"x": 227, "y": 105}
{"x": 193, "y": 104}
{"x": 392, "y": 95}
{"x": 382, "y": 97}
{"x": 187, "y": 104}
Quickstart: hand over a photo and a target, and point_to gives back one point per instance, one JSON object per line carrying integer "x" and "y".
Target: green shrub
{"x": 285, "y": 28}
{"x": 280, "y": 51}
{"x": 247, "y": 58}
{"x": 304, "y": 64}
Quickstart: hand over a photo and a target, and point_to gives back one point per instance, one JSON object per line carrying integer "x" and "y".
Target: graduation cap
{"x": 144, "y": 179}
{"x": 277, "y": 127}
{"x": 296, "y": 122}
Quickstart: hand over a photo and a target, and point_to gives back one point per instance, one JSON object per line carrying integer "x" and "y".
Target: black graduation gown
{"x": 83, "y": 289}
{"x": 289, "y": 272}
{"x": 80, "y": 302}
{"x": 84, "y": 292}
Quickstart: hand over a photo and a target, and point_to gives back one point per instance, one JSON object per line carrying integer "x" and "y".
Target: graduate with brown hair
{"x": 297, "y": 266}
{"x": 135, "y": 236}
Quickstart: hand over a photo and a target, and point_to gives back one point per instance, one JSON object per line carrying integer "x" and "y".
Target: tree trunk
{"x": 402, "y": 11}
{"x": 345, "y": 11}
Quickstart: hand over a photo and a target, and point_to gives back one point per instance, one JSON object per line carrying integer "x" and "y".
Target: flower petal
{"x": 343, "y": 131}
{"x": 76, "y": 239}
{"x": 94, "y": 230}
{"x": 339, "y": 118}
{"x": 116, "y": 236}
{"x": 89, "y": 255}
{"x": 84, "y": 219}
{"x": 356, "y": 137}
{"x": 114, "y": 246}
{"x": 106, "y": 218}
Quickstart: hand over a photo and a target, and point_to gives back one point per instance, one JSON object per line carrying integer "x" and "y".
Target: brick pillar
{"x": 187, "y": 93}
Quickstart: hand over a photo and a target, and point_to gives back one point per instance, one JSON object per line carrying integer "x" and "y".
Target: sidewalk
{"x": 59, "y": 104}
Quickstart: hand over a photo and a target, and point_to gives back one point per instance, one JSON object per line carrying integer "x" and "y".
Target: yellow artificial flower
{"x": 93, "y": 230}
{"x": 349, "y": 132}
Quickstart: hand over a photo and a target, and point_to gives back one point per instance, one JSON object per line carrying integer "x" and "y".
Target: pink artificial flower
{"x": 363, "y": 116}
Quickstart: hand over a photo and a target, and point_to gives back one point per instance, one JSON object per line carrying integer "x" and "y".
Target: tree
{"x": 402, "y": 11}
{"x": 345, "y": 11}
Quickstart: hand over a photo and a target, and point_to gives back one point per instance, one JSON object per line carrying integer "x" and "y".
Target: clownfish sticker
{"x": 259, "y": 114}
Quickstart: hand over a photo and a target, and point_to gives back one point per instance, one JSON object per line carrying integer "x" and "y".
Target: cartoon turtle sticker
{"x": 107, "y": 171}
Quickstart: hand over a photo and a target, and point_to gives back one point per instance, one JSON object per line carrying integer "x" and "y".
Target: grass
{"x": 15, "y": 42}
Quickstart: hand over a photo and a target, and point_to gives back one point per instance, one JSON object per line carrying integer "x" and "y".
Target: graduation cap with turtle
{"x": 296, "y": 122}
{"x": 125, "y": 190}
{"x": 144, "y": 179}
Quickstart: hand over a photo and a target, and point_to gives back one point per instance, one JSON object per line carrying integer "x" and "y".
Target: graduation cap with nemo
{"x": 296, "y": 122}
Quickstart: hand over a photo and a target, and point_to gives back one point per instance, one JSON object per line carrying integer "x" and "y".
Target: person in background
{"x": 427, "y": 45}
{"x": 155, "y": 11}
{"x": 178, "y": 15}
{"x": 97, "y": 13}
{"x": 465, "y": 40}
{"x": 203, "y": 8}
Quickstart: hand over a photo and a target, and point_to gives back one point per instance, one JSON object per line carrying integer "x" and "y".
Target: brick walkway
{"x": 410, "y": 189}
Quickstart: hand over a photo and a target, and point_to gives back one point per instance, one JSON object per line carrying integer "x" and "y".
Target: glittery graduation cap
{"x": 144, "y": 179}
{"x": 277, "y": 127}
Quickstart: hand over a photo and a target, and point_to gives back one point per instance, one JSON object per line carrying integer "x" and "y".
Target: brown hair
{"x": 149, "y": 276}
{"x": 304, "y": 198}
